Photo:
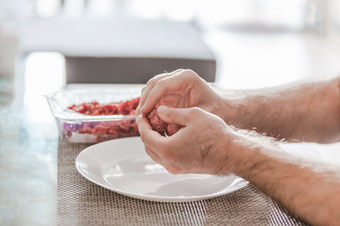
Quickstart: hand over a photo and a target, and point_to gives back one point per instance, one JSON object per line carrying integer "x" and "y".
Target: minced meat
{"x": 157, "y": 123}
{"x": 125, "y": 127}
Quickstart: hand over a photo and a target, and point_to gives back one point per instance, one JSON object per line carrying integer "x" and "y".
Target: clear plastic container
{"x": 80, "y": 128}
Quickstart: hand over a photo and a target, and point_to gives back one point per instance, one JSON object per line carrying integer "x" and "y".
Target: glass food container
{"x": 81, "y": 128}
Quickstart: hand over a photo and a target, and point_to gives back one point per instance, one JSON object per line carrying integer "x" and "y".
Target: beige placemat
{"x": 80, "y": 202}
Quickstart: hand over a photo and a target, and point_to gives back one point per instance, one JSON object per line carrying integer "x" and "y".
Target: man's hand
{"x": 179, "y": 89}
{"x": 206, "y": 144}
{"x": 198, "y": 147}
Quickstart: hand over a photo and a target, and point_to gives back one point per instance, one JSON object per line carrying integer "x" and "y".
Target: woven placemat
{"x": 81, "y": 202}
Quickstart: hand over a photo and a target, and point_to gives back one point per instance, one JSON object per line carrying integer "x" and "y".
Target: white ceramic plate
{"x": 123, "y": 166}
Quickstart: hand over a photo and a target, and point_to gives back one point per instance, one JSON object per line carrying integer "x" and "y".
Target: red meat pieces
{"x": 117, "y": 128}
{"x": 156, "y": 123}
{"x": 120, "y": 128}
{"x": 116, "y": 108}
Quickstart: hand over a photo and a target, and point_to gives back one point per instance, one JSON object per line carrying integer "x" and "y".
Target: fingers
{"x": 148, "y": 136}
{"x": 149, "y": 86}
{"x": 168, "y": 85}
{"x": 137, "y": 112}
{"x": 178, "y": 116}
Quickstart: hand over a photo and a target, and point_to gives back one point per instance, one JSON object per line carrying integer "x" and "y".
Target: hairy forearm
{"x": 310, "y": 191}
{"x": 303, "y": 112}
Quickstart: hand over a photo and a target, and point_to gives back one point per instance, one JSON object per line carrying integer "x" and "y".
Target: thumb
{"x": 177, "y": 116}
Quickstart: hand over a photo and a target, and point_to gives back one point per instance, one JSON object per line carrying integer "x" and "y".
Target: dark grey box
{"x": 131, "y": 69}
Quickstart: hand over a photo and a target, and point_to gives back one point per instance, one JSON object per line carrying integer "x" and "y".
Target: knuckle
{"x": 160, "y": 84}
{"x": 151, "y": 82}
{"x": 178, "y": 70}
{"x": 143, "y": 89}
{"x": 189, "y": 72}
{"x": 195, "y": 111}
{"x": 160, "y": 76}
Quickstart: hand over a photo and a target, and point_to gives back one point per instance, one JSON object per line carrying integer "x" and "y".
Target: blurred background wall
{"x": 289, "y": 14}
{"x": 278, "y": 14}
{"x": 244, "y": 43}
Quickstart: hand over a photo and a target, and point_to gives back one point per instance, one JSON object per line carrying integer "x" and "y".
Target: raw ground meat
{"x": 156, "y": 123}
{"x": 125, "y": 127}
{"x": 115, "y": 108}
{"x": 112, "y": 129}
